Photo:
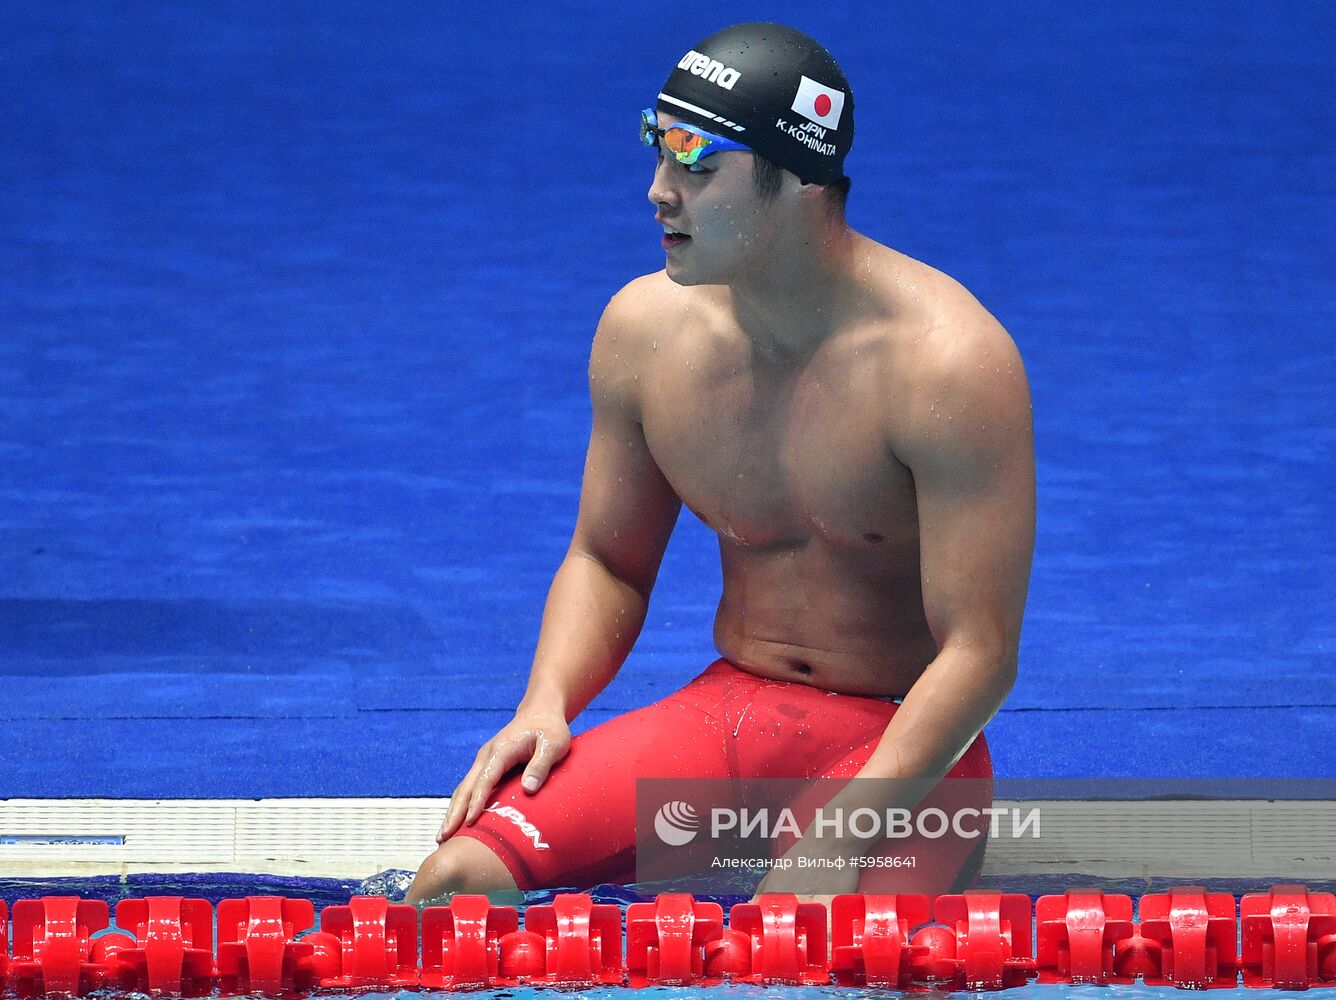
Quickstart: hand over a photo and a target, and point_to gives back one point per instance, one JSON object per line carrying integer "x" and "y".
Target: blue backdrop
{"x": 295, "y": 307}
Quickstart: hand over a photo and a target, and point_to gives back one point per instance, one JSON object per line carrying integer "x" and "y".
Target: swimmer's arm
{"x": 970, "y": 448}
{"x": 597, "y": 603}
{"x": 972, "y": 456}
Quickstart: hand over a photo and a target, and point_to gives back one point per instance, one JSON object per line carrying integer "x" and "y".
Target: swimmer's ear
{"x": 808, "y": 190}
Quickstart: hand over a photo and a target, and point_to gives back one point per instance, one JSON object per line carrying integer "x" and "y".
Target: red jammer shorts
{"x": 579, "y": 829}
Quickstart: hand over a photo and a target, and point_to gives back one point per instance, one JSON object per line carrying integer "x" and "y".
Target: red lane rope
{"x": 979, "y": 940}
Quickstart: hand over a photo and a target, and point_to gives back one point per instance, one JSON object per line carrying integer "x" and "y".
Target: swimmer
{"x": 856, "y": 429}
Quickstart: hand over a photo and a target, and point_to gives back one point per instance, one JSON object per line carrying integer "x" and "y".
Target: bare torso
{"x": 791, "y": 462}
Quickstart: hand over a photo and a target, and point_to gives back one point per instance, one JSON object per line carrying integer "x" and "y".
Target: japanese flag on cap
{"x": 819, "y": 103}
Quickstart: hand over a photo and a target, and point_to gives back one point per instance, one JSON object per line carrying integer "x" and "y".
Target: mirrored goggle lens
{"x": 685, "y": 146}
{"x": 688, "y": 147}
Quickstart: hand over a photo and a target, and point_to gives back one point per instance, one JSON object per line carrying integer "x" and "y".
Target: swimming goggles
{"x": 686, "y": 143}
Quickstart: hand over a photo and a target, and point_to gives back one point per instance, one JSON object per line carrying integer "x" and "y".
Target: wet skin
{"x": 794, "y": 431}
{"x": 792, "y": 461}
{"x": 856, "y": 429}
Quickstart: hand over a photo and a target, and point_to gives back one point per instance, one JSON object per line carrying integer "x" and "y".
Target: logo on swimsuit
{"x": 676, "y": 824}
{"x": 517, "y": 817}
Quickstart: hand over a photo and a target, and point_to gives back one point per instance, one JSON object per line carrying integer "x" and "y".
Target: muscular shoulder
{"x": 644, "y": 311}
{"x": 962, "y": 345}
{"x": 641, "y": 305}
{"x": 963, "y": 380}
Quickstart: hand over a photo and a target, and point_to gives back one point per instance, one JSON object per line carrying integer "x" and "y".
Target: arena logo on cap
{"x": 711, "y": 69}
{"x": 818, "y": 103}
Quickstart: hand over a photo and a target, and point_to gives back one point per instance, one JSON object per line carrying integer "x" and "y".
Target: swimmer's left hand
{"x": 534, "y": 740}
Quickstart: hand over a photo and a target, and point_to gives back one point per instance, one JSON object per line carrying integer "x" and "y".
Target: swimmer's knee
{"x": 463, "y": 865}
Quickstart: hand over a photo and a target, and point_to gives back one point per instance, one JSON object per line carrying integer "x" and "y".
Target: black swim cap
{"x": 771, "y": 88}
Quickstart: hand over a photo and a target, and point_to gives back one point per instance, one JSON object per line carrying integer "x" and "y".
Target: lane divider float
{"x": 978, "y": 940}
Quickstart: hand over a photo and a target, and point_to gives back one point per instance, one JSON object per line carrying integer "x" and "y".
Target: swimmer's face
{"x": 715, "y": 202}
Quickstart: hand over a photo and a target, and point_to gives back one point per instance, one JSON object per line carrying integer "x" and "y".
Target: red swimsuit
{"x": 579, "y": 829}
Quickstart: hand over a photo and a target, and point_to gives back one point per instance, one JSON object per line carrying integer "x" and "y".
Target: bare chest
{"x": 771, "y": 462}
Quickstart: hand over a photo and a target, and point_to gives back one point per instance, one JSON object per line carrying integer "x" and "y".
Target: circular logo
{"x": 676, "y": 824}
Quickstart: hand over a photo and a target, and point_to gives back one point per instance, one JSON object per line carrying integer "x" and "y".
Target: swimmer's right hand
{"x": 541, "y": 740}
